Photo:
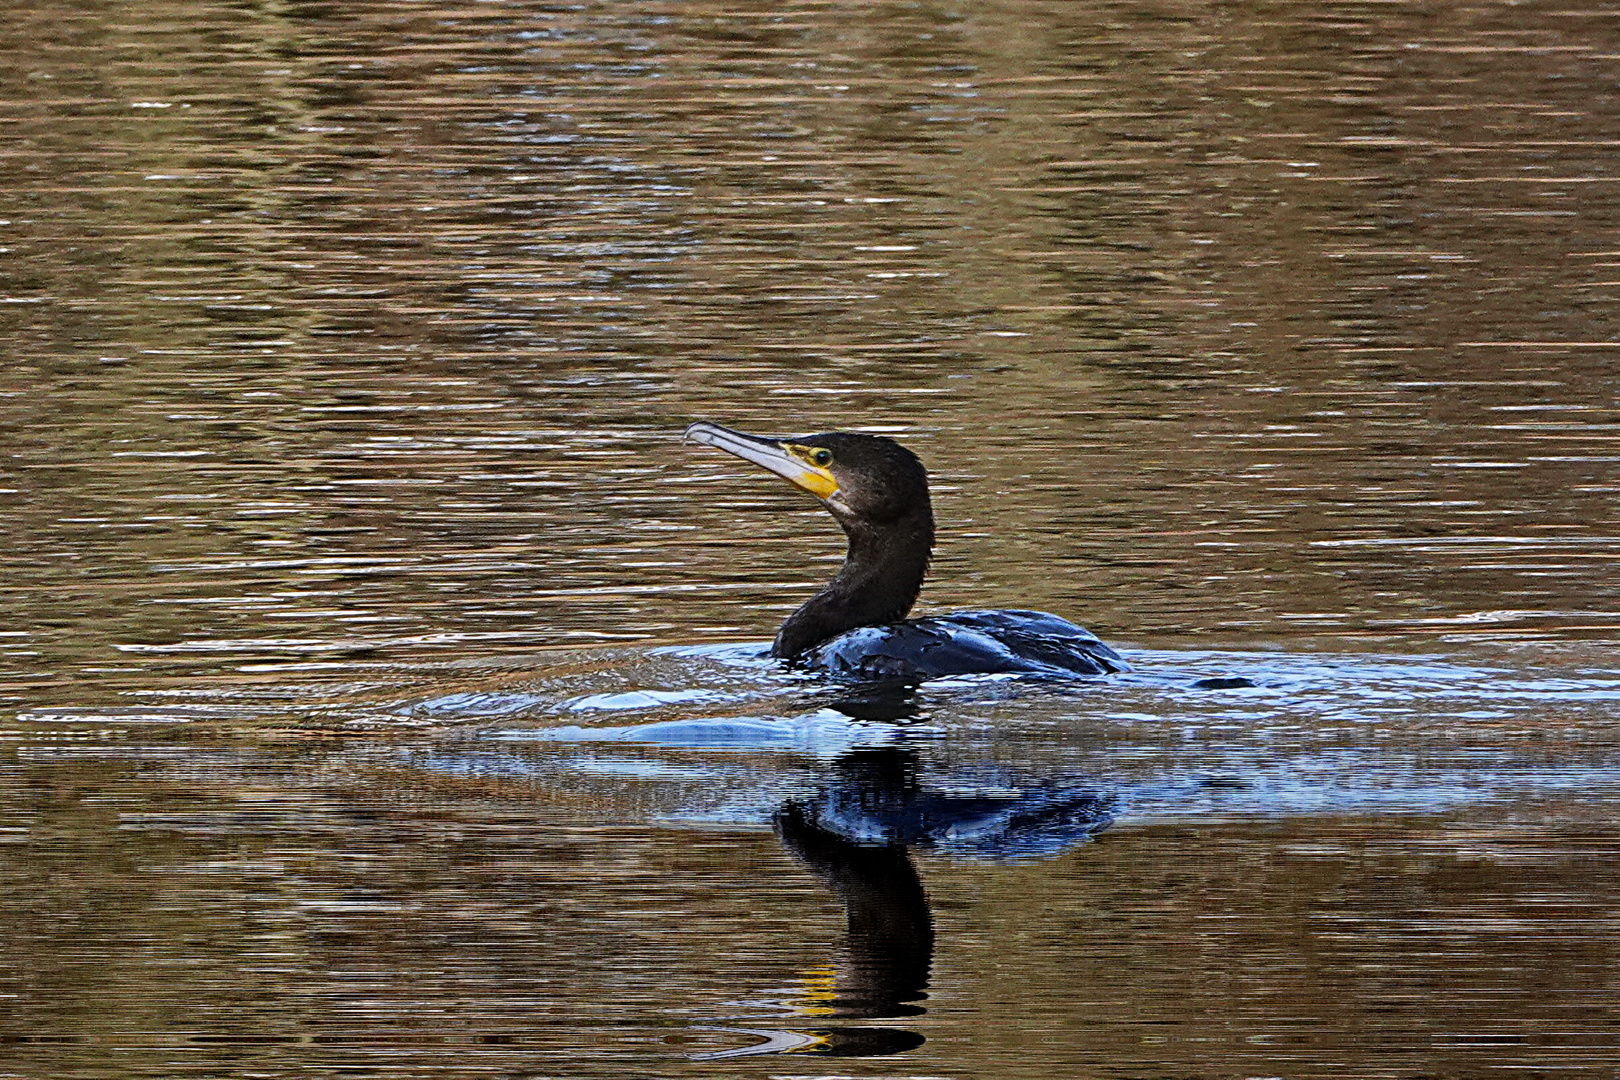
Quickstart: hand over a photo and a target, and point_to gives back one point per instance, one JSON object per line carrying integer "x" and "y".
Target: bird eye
{"x": 821, "y": 457}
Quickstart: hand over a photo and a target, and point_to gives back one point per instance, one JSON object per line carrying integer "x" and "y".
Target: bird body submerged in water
{"x": 856, "y": 626}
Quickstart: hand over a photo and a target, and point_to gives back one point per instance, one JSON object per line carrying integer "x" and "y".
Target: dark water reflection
{"x": 368, "y": 693}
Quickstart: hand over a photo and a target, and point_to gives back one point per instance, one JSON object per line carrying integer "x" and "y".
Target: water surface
{"x": 379, "y": 686}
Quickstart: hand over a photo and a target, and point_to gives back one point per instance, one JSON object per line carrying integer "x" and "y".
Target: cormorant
{"x": 856, "y": 626}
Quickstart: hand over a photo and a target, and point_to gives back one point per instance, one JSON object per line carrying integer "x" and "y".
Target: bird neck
{"x": 882, "y": 574}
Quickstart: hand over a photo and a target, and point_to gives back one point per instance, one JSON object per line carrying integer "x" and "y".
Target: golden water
{"x": 347, "y": 529}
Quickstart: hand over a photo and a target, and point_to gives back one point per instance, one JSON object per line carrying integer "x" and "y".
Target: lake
{"x": 382, "y": 680}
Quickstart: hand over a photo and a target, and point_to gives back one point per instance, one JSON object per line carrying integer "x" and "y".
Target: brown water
{"x": 371, "y": 692}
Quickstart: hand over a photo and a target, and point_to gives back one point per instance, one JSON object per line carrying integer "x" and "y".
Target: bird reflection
{"x": 890, "y": 930}
{"x": 856, "y": 834}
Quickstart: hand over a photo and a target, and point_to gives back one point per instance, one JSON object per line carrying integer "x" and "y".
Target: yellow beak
{"x": 774, "y": 454}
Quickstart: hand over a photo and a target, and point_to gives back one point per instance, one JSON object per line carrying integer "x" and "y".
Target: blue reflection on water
{"x": 1000, "y": 756}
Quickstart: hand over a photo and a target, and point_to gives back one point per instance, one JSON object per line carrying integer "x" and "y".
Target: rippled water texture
{"x": 380, "y": 678}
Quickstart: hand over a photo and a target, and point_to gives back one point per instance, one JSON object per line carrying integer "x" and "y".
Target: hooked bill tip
{"x": 705, "y": 434}
{"x": 723, "y": 437}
